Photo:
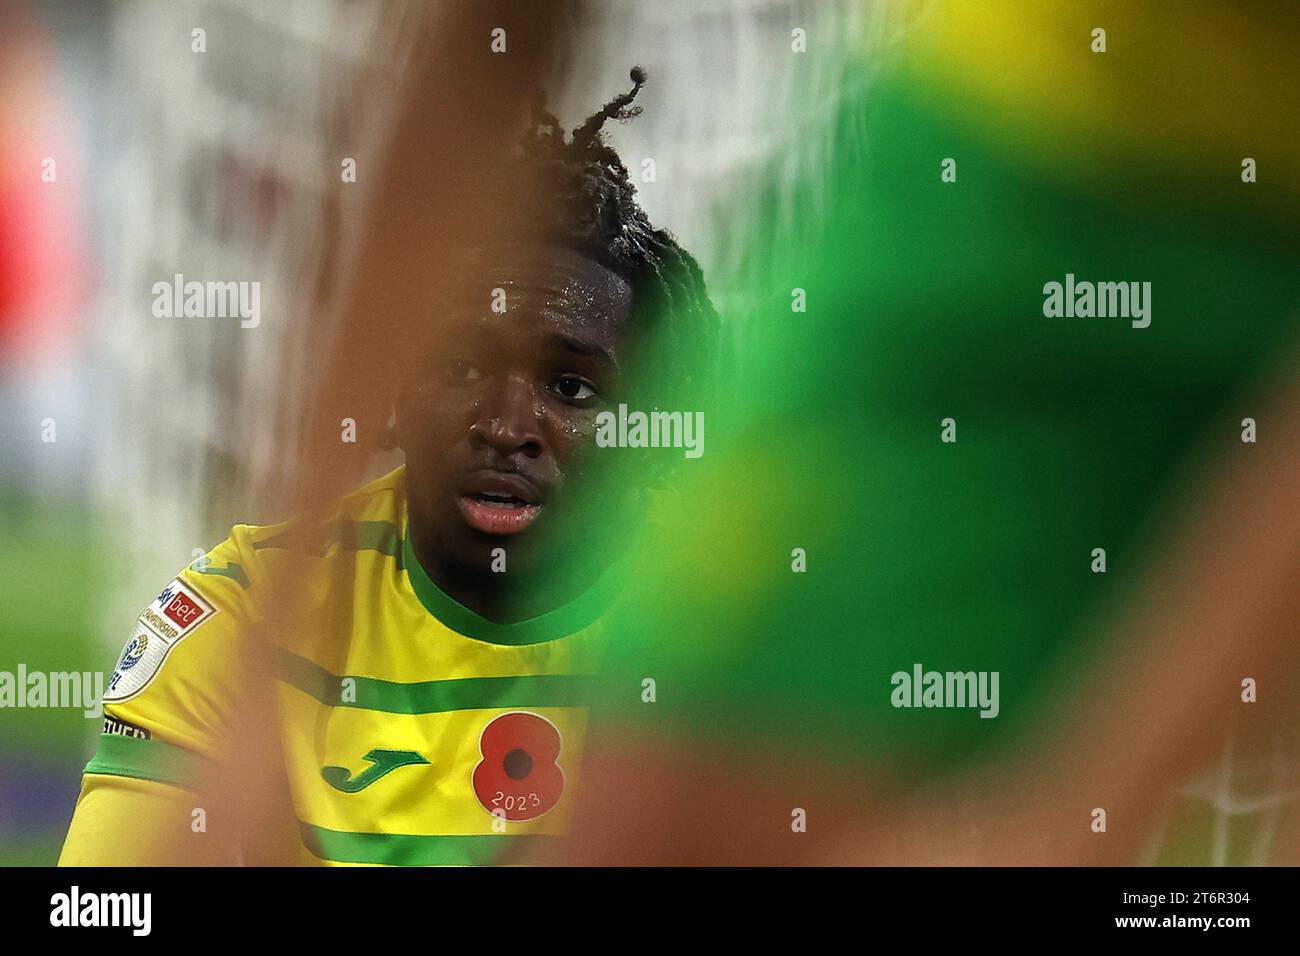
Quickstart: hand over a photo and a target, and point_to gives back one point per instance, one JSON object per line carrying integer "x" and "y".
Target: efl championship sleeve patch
{"x": 173, "y": 616}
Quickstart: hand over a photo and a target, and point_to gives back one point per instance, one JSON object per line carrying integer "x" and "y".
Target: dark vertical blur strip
{"x": 431, "y": 191}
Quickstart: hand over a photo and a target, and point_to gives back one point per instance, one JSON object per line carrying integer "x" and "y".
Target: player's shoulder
{"x": 197, "y": 621}
{"x": 382, "y": 500}
{"x": 372, "y": 511}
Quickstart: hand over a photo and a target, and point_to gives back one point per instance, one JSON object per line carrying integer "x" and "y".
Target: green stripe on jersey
{"x": 385, "y": 537}
{"x": 434, "y": 696}
{"x": 382, "y": 536}
{"x": 152, "y": 759}
{"x": 399, "y": 849}
{"x": 232, "y": 570}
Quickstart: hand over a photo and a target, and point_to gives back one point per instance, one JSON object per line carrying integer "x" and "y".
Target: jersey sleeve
{"x": 170, "y": 710}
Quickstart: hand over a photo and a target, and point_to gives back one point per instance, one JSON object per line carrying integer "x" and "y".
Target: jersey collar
{"x": 562, "y": 621}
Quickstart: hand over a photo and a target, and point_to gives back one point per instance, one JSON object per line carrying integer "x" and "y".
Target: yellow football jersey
{"x": 403, "y": 728}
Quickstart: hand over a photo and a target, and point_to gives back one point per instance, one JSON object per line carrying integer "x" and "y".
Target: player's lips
{"x": 498, "y": 502}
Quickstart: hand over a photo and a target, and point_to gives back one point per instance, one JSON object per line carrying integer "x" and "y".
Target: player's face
{"x": 499, "y": 429}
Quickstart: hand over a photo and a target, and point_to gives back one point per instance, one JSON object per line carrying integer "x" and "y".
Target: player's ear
{"x": 404, "y": 403}
{"x": 392, "y": 433}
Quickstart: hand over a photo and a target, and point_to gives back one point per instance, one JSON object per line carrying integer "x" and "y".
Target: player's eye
{"x": 573, "y": 389}
{"x": 462, "y": 371}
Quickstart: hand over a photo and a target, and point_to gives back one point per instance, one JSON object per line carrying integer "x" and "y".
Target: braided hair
{"x": 589, "y": 204}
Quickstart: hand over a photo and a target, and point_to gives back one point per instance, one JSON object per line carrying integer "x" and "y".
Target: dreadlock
{"x": 590, "y": 205}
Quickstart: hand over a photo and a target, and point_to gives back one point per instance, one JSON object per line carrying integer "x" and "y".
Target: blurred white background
{"x": 224, "y": 165}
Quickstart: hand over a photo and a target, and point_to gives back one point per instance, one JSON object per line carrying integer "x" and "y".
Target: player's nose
{"x": 508, "y": 421}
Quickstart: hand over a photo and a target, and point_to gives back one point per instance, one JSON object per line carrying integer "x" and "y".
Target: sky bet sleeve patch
{"x": 173, "y": 616}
